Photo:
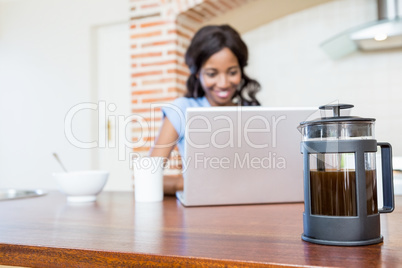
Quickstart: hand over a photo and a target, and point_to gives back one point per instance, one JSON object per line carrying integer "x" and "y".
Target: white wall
{"x": 45, "y": 69}
{"x": 294, "y": 71}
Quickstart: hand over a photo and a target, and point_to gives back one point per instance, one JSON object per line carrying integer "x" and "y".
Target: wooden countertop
{"x": 117, "y": 232}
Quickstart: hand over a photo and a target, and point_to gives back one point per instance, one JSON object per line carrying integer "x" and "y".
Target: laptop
{"x": 243, "y": 155}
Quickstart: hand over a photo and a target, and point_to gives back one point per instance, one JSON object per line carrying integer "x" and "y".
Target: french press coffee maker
{"x": 340, "y": 186}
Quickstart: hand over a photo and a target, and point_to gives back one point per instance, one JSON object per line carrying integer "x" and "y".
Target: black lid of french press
{"x": 336, "y": 118}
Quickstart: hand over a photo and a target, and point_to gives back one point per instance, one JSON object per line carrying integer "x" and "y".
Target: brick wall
{"x": 161, "y": 31}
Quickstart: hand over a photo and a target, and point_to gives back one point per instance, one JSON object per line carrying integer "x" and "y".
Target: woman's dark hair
{"x": 210, "y": 40}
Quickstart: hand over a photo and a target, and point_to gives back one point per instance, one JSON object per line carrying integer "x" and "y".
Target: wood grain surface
{"x": 115, "y": 231}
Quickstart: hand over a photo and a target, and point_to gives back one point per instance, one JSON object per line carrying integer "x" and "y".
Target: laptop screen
{"x": 242, "y": 152}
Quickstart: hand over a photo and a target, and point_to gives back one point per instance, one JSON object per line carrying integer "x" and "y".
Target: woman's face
{"x": 220, "y": 76}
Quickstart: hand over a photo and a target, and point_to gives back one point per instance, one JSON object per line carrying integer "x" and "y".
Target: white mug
{"x": 148, "y": 179}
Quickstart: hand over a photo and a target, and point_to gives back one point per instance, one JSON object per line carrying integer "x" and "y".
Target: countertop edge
{"x": 38, "y": 256}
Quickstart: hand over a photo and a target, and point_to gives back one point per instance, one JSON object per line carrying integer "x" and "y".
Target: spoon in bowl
{"x": 59, "y": 161}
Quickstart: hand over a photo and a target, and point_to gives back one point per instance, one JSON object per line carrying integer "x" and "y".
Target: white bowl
{"x": 81, "y": 186}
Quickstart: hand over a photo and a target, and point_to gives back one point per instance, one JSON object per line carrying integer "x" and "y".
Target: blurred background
{"x": 66, "y": 63}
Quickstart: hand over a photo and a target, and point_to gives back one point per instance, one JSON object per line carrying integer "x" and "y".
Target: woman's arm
{"x": 166, "y": 140}
{"x": 164, "y": 145}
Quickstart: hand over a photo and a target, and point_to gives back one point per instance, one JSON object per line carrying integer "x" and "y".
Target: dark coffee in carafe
{"x": 339, "y": 156}
{"x": 333, "y": 192}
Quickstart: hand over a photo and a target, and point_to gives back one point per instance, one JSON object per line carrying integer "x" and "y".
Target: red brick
{"x": 176, "y": 71}
{"x": 179, "y": 33}
{"x": 176, "y": 90}
{"x": 158, "y": 81}
{"x": 159, "y": 43}
{"x": 159, "y": 63}
{"x": 156, "y": 23}
{"x": 142, "y": 149}
{"x": 175, "y": 52}
{"x": 197, "y": 20}
{"x": 144, "y": 35}
{"x": 149, "y": 91}
{"x": 150, "y": 5}
{"x": 156, "y": 100}
{"x": 145, "y": 110}
{"x": 150, "y": 73}
{"x": 146, "y": 55}
{"x": 223, "y": 3}
{"x": 213, "y": 6}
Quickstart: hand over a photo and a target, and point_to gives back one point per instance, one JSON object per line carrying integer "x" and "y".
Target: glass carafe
{"x": 340, "y": 176}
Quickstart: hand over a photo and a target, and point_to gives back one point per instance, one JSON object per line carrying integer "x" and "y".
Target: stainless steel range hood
{"x": 385, "y": 33}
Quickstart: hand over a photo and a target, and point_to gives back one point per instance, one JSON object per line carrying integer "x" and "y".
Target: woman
{"x": 216, "y": 57}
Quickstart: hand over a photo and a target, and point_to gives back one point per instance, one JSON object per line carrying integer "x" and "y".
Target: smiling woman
{"x": 219, "y": 77}
{"x": 216, "y": 58}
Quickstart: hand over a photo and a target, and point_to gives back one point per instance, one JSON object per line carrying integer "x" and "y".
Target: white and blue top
{"x": 176, "y": 113}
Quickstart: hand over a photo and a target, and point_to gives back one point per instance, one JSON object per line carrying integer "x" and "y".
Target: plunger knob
{"x": 336, "y": 108}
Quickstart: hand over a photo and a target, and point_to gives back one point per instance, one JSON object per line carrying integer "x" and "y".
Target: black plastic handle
{"x": 387, "y": 178}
